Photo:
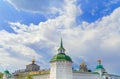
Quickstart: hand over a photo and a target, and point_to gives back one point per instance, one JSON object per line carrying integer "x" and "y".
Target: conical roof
{"x": 61, "y": 56}
{"x": 61, "y": 48}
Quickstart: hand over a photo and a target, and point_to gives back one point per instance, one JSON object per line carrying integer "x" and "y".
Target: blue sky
{"x": 90, "y": 30}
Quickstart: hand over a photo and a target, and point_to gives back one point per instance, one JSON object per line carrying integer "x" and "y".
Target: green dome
{"x": 6, "y": 72}
{"x": 61, "y": 57}
{"x": 99, "y": 67}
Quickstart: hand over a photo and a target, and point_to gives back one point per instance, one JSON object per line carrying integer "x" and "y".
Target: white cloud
{"x": 28, "y": 40}
{"x": 38, "y": 6}
{"x": 9, "y": 62}
{"x": 93, "y": 40}
{"x": 111, "y": 2}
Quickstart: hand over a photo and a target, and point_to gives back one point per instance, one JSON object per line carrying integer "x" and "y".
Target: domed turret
{"x": 99, "y": 66}
{"x": 61, "y": 65}
{"x": 100, "y": 69}
{"x": 61, "y": 56}
{"x": 6, "y": 72}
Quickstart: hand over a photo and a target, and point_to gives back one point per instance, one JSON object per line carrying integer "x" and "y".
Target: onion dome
{"x": 61, "y": 56}
{"x": 83, "y": 67}
{"x": 6, "y": 72}
{"x": 99, "y": 66}
{"x": 83, "y": 64}
{"x": 33, "y": 61}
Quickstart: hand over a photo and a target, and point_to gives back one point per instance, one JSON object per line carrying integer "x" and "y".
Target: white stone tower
{"x": 61, "y": 65}
{"x": 6, "y": 74}
{"x": 100, "y": 69}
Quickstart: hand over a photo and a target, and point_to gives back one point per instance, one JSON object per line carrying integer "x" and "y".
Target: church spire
{"x": 61, "y": 45}
{"x": 61, "y": 48}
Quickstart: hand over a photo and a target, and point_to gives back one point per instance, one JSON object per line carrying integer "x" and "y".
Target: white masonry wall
{"x": 53, "y": 70}
{"x": 111, "y": 77}
{"x": 85, "y": 76}
{"x": 61, "y": 70}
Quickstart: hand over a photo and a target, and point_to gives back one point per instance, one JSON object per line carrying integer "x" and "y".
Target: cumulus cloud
{"x": 38, "y": 6}
{"x": 28, "y": 41}
{"x": 86, "y": 41}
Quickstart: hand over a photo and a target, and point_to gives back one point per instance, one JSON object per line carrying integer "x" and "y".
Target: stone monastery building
{"x": 61, "y": 68}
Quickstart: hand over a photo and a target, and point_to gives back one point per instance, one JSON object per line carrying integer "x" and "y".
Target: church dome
{"x": 99, "y": 66}
{"x": 6, "y": 72}
{"x": 61, "y": 57}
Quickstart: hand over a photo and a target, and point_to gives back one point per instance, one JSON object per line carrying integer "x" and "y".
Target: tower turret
{"x": 61, "y": 56}
{"x": 99, "y": 66}
{"x": 100, "y": 69}
{"x": 6, "y": 74}
{"x": 61, "y": 65}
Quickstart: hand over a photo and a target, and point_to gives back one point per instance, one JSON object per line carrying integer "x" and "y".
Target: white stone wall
{"x": 100, "y": 71}
{"x": 114, "y": 77}
{"x": 77, "y": 75}
{"x": 61, "y": 70}
{"x": 85, "y": 76}
{"x": 46, "y": 76}
{"x": 111, "y": 77}
{"x": 53, "y": 70}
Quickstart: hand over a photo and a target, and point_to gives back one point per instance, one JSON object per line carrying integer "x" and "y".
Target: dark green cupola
{"x": 61, "y": 56}
{"x": 99, "y": 66}
{"x": 6, "y": 72}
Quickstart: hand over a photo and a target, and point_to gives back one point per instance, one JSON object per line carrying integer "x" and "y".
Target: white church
{"x": 61, "y": 68}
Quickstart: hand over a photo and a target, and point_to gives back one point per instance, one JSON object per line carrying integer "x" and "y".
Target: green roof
{"x": 99, "y": 66}
{"x": 61, "y": 57}
{"x": 6, "y": 72}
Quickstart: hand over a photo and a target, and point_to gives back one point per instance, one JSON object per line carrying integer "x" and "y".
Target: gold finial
{"x": 99, "y": 61}
{"x": 83, "y": 63}
{"x": 33, "y": 60}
